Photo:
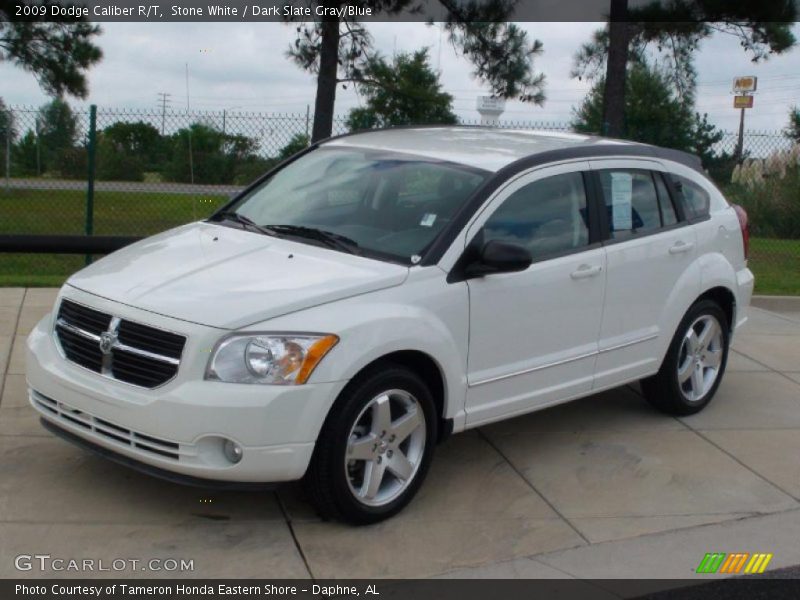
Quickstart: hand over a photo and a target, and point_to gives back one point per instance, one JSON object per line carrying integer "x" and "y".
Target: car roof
{"x": 493, "y": 148}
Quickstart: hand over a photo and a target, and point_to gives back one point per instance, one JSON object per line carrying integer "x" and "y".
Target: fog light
{"x": 233, "y": 451}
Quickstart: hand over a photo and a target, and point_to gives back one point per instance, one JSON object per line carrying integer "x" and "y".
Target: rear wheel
{"x": 375, "y": 447}
{"x": 694, "y": 364}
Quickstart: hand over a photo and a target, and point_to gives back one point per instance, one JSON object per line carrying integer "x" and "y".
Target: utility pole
{"x": 745, "y": 87}
{"x": 740, "y": 141}
{"x": 163, "y": 100}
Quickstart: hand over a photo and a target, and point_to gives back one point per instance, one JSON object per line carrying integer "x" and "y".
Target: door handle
{"x": 585, "y": 271}
{"x": 680, "y": 247}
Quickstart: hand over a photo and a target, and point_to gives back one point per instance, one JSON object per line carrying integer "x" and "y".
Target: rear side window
{"x": 631, "y": 201}
{"x": 668, "y": 215}
{"x": 696, "y": 201}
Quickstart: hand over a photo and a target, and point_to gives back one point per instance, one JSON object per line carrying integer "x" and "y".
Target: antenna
{"x": 187, "y": 87}
{"x": 439, "y": 53}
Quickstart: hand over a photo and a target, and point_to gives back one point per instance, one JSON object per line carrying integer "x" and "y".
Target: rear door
{"x": 649, "y": 249}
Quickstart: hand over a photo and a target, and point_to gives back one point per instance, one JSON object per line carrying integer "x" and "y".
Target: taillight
{"x": 745, "y": 226}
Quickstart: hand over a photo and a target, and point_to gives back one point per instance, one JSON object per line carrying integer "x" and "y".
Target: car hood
{"x": 229, "y": 278}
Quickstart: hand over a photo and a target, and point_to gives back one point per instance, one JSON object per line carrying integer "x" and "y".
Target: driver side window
{"x": 548, "y": 217}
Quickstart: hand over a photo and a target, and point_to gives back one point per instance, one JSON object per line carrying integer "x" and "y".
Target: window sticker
{"x": 621, "y": 194}
{"x": 428, "y": 219}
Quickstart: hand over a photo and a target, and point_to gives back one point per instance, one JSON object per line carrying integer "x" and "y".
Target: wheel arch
{"x": 720, "y": 294}
{"x": 431, "y": 372}
{"x": 726, "y": 300}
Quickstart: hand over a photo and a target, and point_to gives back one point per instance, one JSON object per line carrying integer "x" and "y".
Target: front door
{"x": 534, "y": 334}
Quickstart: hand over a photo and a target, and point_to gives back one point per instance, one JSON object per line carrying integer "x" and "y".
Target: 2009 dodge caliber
{"x": 382, "y": 290}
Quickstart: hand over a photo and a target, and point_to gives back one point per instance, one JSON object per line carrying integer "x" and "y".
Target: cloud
{"x": 242, "y": 67}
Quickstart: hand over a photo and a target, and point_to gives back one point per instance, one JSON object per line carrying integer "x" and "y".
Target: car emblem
{"x": 107, "y": 341}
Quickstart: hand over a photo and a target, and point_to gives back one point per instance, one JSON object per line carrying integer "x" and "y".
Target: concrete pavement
{"x": 600, "y": 488}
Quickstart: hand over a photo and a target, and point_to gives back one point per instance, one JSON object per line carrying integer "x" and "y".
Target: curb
{"x": 779, "y": 303}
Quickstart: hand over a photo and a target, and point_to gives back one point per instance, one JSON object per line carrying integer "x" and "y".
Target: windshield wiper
{"x": 332, "y": 240}
{"x": 244, "y": 221}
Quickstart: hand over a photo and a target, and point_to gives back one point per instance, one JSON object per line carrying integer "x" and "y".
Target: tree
{"x": 298, "y": 142}
{"x": 8, "y": 128}
{"x": 127, "y": 150}
{"x": 139, "y": 138}
{"x": 7, "y": 134}
{"x": 675, "y": 29}
{"x": 793, "y": 131}
{"x": 404, "y": 92}
{"x": 203, "y": 154}
{"x": 57, "y": 140}
{"x": 339, "y": 49}
{"x": 58, "y": 50}
{"x": 25, "y": 159}
{"x": 655, "y": 114}
{"x": 58, "y": 125}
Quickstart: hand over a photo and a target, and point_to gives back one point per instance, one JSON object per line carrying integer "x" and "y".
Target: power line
{"x": 163, "y": 100}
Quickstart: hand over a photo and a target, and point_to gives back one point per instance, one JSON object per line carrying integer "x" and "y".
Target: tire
{"x": 361, "y": 443}
{"x": 695, "y": 362}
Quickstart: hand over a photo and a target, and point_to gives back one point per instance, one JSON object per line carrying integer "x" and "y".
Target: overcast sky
{"x": 242, "y": 67}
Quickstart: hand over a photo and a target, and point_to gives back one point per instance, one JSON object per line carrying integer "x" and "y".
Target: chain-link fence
{"x": 155, "y": 169}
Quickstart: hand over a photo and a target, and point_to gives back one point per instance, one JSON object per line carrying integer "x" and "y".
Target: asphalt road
{"x": 119, "y": 186}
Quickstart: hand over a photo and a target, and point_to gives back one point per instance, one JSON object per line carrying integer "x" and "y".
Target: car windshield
{"x": 376, "y": 203}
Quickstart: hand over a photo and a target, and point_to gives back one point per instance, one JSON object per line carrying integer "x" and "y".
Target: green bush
{"x": 115, "y": 164}
{"x": 71, "y": 163}
{"x": 773, "y": 205}
{"x": 247, "y": 171}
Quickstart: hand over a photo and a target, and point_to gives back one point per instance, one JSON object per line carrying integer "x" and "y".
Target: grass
{"x": 63, "y": 212}
{"x": 776, "y": 263}
{"x": 776, "y": 266}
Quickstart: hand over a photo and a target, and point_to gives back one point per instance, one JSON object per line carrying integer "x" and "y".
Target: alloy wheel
{"x": 700, "y": 357}
{"x": 385, "y": 447}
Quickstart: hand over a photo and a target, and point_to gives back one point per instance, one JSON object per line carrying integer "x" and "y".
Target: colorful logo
{"x": 734, "y": 563}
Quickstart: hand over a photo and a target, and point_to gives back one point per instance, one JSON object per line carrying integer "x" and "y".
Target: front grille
{"x": 101, "y": 427}
{"x": 125, "y": 350}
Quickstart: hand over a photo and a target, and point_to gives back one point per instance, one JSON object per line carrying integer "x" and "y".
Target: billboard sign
{"x": 745, "y": 84}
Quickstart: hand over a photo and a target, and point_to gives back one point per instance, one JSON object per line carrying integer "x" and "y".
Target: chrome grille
{"x": 124, "y": 350}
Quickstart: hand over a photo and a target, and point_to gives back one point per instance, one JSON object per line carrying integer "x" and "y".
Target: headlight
{"x": 274, "y": 359}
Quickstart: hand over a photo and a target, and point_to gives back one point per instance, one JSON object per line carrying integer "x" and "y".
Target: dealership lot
{"x": 603, "y": 487}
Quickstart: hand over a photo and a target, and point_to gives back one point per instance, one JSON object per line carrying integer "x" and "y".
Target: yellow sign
{"x": 748, "y": 83}
{"x": 742, "y": 102}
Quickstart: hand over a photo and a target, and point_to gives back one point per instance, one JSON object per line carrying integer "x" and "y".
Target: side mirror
{"x": 500, "y": 257}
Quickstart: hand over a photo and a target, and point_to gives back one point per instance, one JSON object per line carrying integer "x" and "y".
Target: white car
{"x": 380, "y": 291}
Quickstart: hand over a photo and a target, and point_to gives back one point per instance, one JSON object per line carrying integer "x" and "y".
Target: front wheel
{"x": 375, "y": 447}
{"x": 695, "y": 362}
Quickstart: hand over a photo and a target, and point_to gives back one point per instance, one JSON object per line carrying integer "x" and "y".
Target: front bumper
{"x": 181, "y": 427}
{"x": 136, "y": 465}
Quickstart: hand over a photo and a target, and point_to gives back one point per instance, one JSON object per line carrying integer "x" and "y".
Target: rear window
{"x": 696, "y": 201}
